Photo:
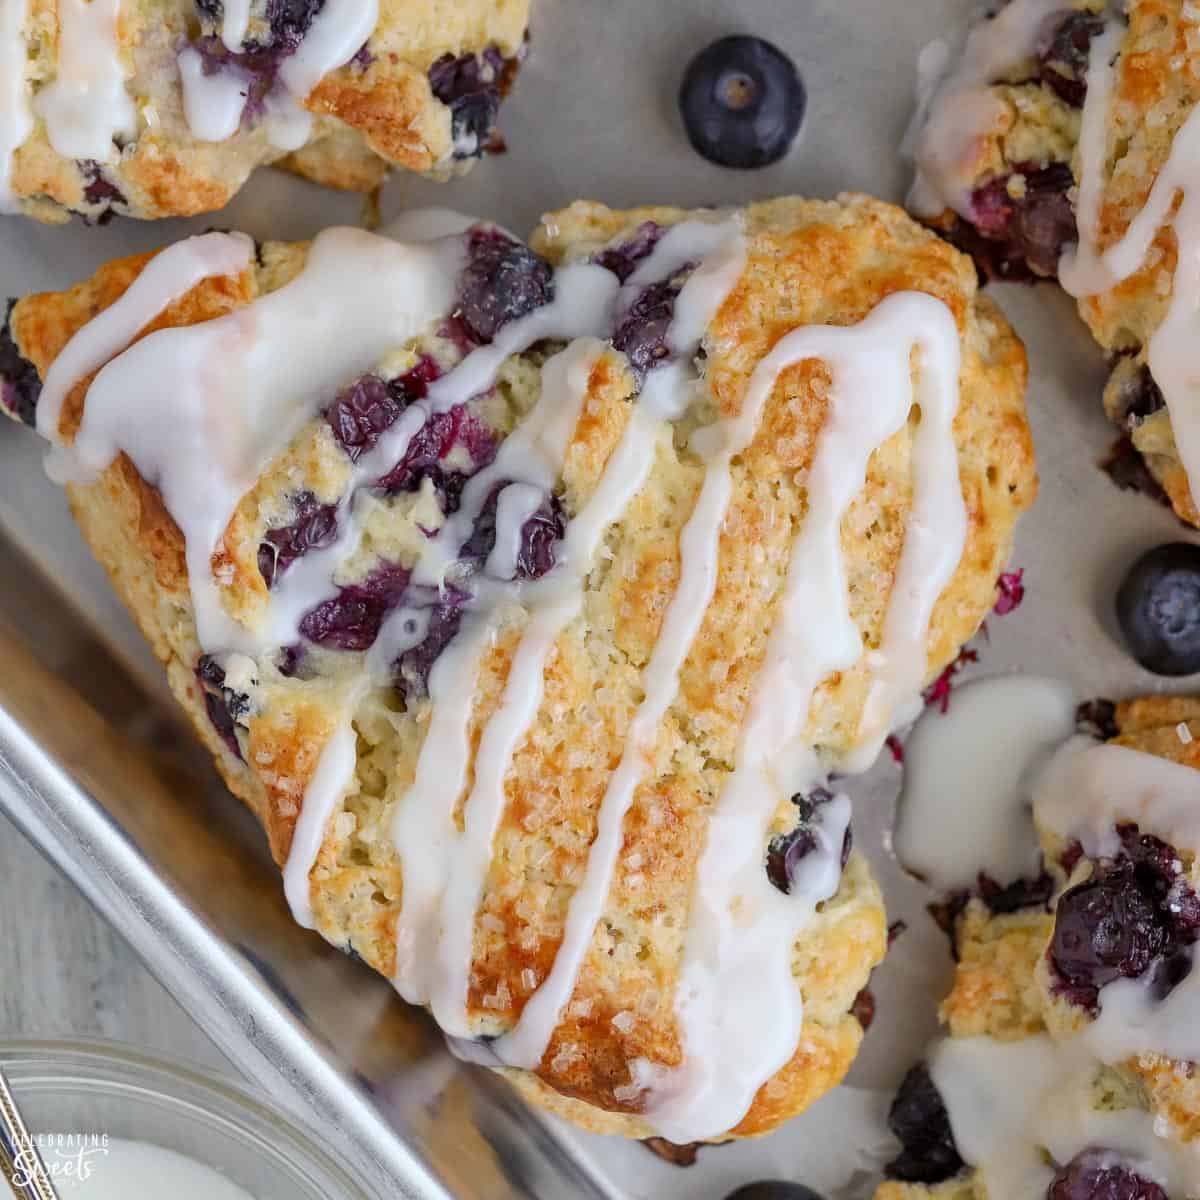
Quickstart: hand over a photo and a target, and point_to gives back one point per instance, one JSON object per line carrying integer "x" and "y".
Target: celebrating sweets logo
{"x": 64, "y": 1156}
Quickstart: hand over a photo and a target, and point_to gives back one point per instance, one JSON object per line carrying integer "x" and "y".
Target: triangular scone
{"x": 534, "y": 595}
{"x": 1068, "y": 1070}
{"x": 163, "y": 110}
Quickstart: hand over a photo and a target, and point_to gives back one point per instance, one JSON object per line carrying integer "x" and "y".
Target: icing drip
{"x": 1012, "y": 1102}
{"x": 326, "y": 790}
{"x": 16, "y": 122}
{"x": 212, "y": 103}
{"x": 1083, "y": 794}
{"x": 968, "y": 776}
{"x": 963, "y": 109}
{"x": 1088, "y": 271}
{"x": 740, "y": 926}
{"x": 85, "y": 107}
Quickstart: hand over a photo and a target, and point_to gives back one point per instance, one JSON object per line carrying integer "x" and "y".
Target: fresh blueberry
{"x": 1020, "y": 234}
{"x": 742, "y": 102}
{"x": 774, "y": 1189}
{"x": 1100, "y": 1175}
{"x": 503, "y": 281}
{"x": 1158, "y": 609}
{"x": 315, "y": 526}
{"x": 919, "y": 1120}
{"x": 20, "y": 385}
{"x": 1063, "y": 54}
{"x": 623, "y": 260}
{"x": 351, "y": 619}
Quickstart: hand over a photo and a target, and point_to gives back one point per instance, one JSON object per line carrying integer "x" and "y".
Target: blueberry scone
{"x": 1064, "y": 145}
{"x": 529, "y": 594}
{"x": 162, "y": 110}
{"x": 1068, "y": 1073}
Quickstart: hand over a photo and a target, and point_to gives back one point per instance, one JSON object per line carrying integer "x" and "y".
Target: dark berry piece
{"x": 441, "y": 434}
{"x": 413, "y": 666}
{"x": 1063, "y": 54}
{"x": 224, "y": 706}
{"x": 623, "y": 260}
{"x": 503, "y": 281}
{"x": 742, "y": 102}
{"x": 290, "y": 661}
{"x": 787, "y": 850}
{"x": 369, "y": 407}
{"x": 863, "y": 1008}
{"x": 315, "y": 526}
{"x": 1012, "y": 897}
{"x": 540, "y": 536}
{"x": 1126, "y": 467}
{"x": 1138, "y": 397}
{"x": 642, "y": 334}
{"x": 1104, "y": 929}
{"x": 1158, "y": 609}
{"x": 290, "y": 21}
{"x": 98, "y": 190}
{"x": 212, "y": 10}
{"x": 1098, "y": 719}
{"x": 1021, "y": 234}
{"x": 1100, "y": 1175}
{"x": 774, "y": 1189}
{"x": 919, "y": 1120}
{"x": 1011, "y": 589}
{"x": 20, "y": 385}
{"x": 472, "y": 86}
{"x": 351, "y": 619}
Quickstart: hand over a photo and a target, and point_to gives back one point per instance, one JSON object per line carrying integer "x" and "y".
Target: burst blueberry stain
{"x": 503, "y": 281}
{"x": 623, "y": 260}
{"x": 351, "y": 620}
{"x": 920, "y": 1122}
{"x": 642, "y": 332}
{"x": 225, "y": 707}
{"x": 1136, "y": 914}
{"x": 1100, "y": 1175}
{"x": 314, "y": 526}
{"x": 370, "y": 406}
{"x": 1063, "y": 54}
{"x": 20, "y": 384}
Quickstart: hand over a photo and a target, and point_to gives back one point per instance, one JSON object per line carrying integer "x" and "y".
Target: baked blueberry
{"x": 314, "y": 527}
{"x": 503, "y": 281}
{"x": 1100, "y": 1175}
{"x": 20, "y": 384}
{"x": 919, "y": 1120}
{"x": 786, "y": 851}
{"x": 1158, "y": 609}
{"x": 623, "y": 260}
{"x": 1063, "y": 54}
{"x": 742, "y": 102}
{"x": 351, "y": 619}
{"x": 642, "y": 334}
{"x": 774, "y": 1189}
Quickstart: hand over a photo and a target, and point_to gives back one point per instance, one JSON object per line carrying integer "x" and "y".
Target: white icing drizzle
{"x": 1086, "y": 271}
{"x": 85, "y": 107}
{"x": 1012, "y": 1102}
{"x": 964, "y": 109}
{"x": 16, "y": 121}
{"x": 1084, "y": 793}
{"x": 244, "y": 384}
{"x": 212, "y": 103}
{"x": 327, "y": 788}
{"x": 234, "y": 23}
{"x": 966, "y": 807}
{"x": 740, "y": 926}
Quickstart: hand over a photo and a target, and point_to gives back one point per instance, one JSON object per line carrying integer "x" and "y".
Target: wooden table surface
{"x": 64, "y": 973}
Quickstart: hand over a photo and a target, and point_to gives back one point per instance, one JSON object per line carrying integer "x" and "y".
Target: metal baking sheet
{"x": 98, "y": 770}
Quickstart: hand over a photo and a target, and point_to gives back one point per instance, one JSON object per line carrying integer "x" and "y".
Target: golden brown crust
{"x": 378, "y": 111}
{"x": 808, "y": 262}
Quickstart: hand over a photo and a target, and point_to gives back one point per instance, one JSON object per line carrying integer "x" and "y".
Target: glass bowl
{"x": 92, "y": 1089}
